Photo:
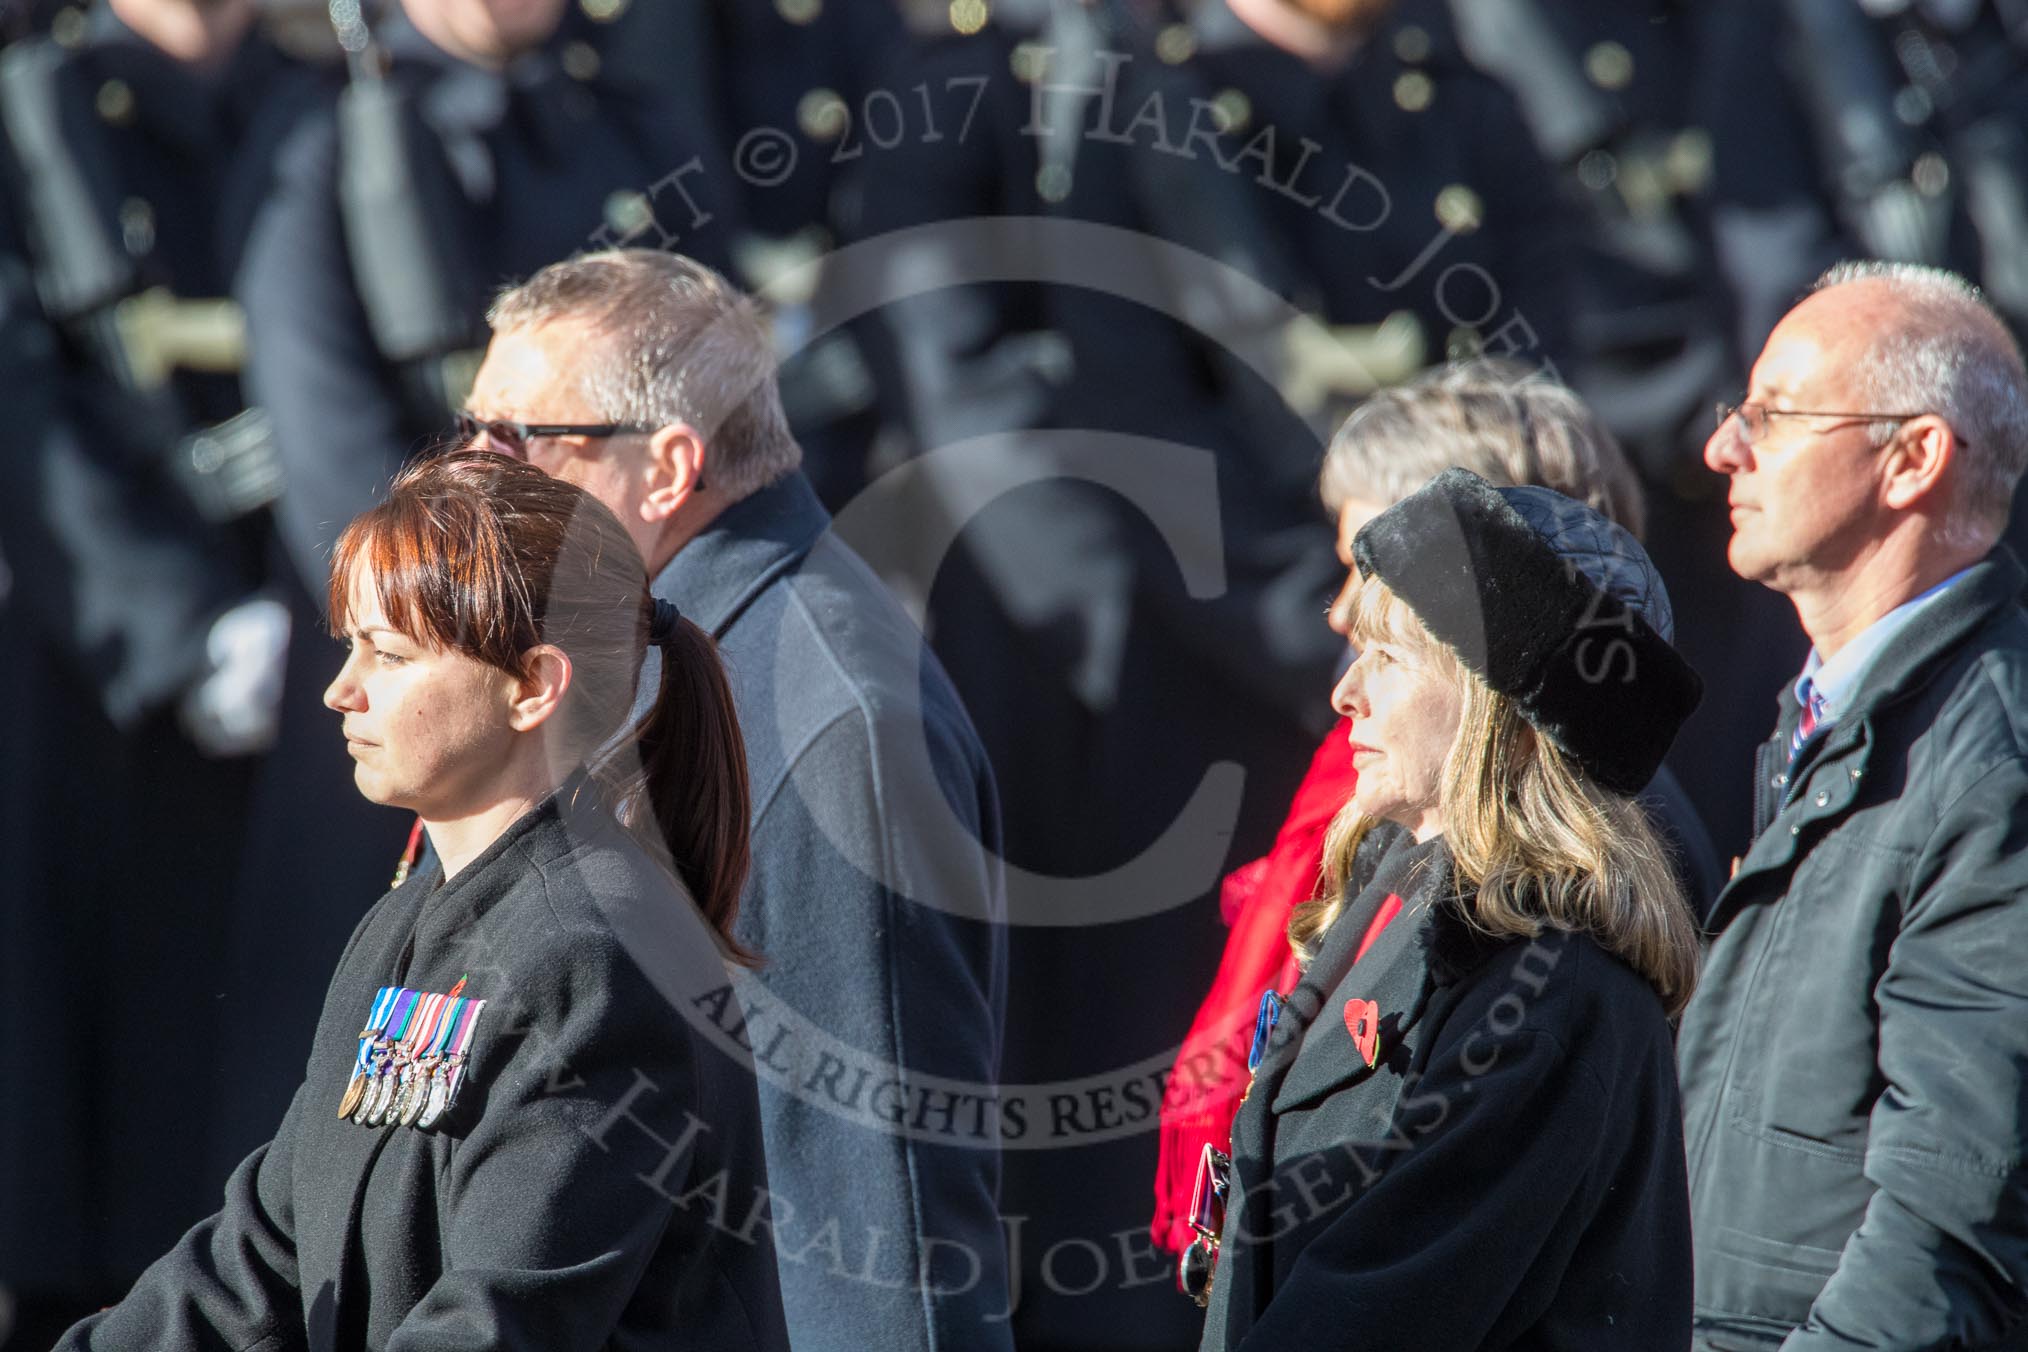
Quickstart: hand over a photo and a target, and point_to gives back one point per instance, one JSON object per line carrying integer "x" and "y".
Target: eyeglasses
{"x": 1753, "y": 418}
{"x": 512, "y": 437}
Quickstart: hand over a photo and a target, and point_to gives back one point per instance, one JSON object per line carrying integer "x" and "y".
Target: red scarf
{"x": 1257, "y": 899}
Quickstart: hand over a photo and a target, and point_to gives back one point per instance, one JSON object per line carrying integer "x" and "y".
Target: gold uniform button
{"x": 1459, "y": 209}
{"x": 821, "y": 114}
{"x": 67, "y": 27}
{"x": 115, "y": 102}
{"x": 1175, "y": 44}
{"x": 1411, "y": 44}
{"x": 1029, "y": 61}
{"x": 1413, "y": 91}
{"x": 603, "y": 11}
{"x": 1609, "y": 65}
{"x": 1235, "y": 110}
{"x": 969, "y": 16}
{"x": 799, "y": 12}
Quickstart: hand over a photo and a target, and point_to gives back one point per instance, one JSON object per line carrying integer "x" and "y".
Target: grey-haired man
{"x": 876, "y": 894}
{"x": 1855, "y": 1063}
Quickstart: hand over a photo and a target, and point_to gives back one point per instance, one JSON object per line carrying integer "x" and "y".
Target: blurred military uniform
{"x": 132, "y": 532}
{"x": 1609, "y": 92}
{"x": 1894, "y": 129}
{"x": 1104, "y": 690}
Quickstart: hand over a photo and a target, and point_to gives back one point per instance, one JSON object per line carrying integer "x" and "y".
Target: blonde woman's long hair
{"x": 1537, "y": 844}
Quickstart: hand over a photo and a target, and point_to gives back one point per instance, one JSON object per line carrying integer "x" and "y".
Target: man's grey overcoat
{"x": 876, "y": 896}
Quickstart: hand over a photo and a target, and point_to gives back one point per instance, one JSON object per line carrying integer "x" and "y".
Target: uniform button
{"x": 799, "y": 11}
{"x": 1795, "y": 830}
{"x": 628, "y": 213}
{"x": 1029, "y": 61}
{"x": 67, "y": 27}
{"x": 969, "y": 16}
{"x": 1411, "y": 44}
{"x": 1609, "y": 65}
{"x": 1823, "y": 797}
{"x": 821, "y": 114}
{"x": 1856, "y": 772}
{"x": 1235, "y": 110}
{"x": 1781, "y": 781}
{"x": 115, "y": 102}
{"x": 1459, "y": 210}
{"x": 603, "y": 11}
{"x": 580, "y": 61}
{"x": 1413, "y": 91}
{"x": 1598, "y": 169}
{"x": 1175, "y": 44}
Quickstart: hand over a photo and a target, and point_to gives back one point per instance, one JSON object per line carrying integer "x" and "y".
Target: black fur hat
{"x": 1551, "y": 605}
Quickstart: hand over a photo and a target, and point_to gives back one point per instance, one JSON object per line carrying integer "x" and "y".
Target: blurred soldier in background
{"x": 806, "y": 69}
{"x": 1255, "y": 213}
{"x": 143, "y": 660}
{"x": 1891, "y": 129}
{"x": 1608, "y": 90}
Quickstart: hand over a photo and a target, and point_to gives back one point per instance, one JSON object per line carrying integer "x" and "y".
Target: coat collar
{"x": 715, "y": 577}
{"x": 1431, "y": 945}
{"x": 1901, "y": 672}
{"x": 1933, "y": 636}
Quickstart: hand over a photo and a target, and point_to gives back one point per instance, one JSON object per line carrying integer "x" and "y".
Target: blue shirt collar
{"x": 1837, "y": 680}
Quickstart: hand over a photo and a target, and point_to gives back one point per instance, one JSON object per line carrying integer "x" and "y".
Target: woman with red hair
{"x": 515, "y": 1129}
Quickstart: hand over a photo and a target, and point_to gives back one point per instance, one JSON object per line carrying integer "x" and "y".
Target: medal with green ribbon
{"x": 450, "y": 1073}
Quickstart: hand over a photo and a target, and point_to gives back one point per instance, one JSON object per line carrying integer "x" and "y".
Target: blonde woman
{"x": 1464, "y": 1131}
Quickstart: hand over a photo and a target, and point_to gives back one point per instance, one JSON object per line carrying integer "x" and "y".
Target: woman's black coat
{"x": 1508, "y": 1175}
{"x": 595, "y": 1183}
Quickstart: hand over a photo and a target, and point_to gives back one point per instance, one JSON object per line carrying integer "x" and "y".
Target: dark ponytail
{"x": 693, "y": 769}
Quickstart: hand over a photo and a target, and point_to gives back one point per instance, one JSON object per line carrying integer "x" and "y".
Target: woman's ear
{"x": 539, "y": 690}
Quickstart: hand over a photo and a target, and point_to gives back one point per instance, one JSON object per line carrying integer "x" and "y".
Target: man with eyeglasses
{"x": 875, "y": 894}
{"x": 1855, "y": 1062}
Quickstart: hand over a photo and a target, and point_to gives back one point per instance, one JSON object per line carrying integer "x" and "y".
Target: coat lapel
{"x": 1393, "y": 975}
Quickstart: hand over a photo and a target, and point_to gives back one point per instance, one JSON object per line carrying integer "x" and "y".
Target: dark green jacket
{"x": 1855, "y": 1063}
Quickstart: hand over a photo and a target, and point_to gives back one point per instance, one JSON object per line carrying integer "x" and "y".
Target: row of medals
{"x": 398, "y": 1089}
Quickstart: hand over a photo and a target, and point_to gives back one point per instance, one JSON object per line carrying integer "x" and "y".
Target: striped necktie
{"x": 1812, "y": 719}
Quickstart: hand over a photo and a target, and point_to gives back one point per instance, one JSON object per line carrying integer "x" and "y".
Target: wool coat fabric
{"x": 1508, "y": 1173}
{"x": 593, "y": 1183}
{"x": 876, "y": 896}
{"x": 1855, "y": 1062}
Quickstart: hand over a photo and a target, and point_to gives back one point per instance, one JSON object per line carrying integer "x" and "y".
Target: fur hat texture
{"x": 1551, "y": 605}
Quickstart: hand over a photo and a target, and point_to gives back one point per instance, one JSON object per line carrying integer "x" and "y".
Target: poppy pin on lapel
{"x": 1362, "y": 1020}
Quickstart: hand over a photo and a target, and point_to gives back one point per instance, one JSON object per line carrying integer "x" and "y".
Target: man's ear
{"x": 675, "y": 470}
{"x": 1918, "y": 461}
{"x": 539, "y": 690}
